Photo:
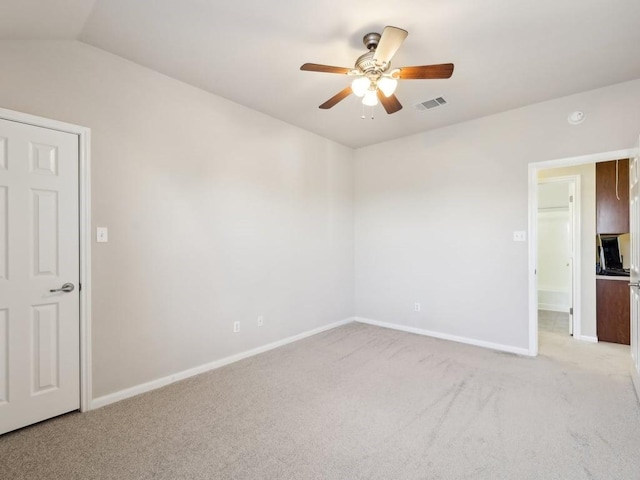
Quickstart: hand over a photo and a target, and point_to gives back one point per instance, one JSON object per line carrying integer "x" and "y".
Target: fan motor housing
{"x": 366, "y": 63}
{"x": 371, "y": 40}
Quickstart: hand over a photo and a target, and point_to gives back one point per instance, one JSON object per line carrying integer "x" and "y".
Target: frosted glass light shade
{"x": 360, "y": 85}
{"x": 387, "y": 85}
{"x": 370, "y": 98}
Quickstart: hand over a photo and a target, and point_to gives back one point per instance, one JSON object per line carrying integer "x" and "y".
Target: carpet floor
{"x": 360, "y": 402}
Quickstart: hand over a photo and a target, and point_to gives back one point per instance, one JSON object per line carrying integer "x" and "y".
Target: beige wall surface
{"x": 435, "y": 213}
{"x": 587, "y": 174}
{"x": 216, "y": 213}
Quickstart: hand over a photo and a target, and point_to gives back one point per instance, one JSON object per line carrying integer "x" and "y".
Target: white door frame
{"x": 84, "y": 195}
{"x": 574, "y": 182}
{"x": 533, "y": 227}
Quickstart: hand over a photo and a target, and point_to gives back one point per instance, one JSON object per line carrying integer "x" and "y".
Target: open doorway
{"x": 583, "y": 290}
{"x": 558, "y": 248}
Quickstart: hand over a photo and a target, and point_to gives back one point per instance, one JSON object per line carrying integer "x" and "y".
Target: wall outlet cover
{"x": 520, "y": 236}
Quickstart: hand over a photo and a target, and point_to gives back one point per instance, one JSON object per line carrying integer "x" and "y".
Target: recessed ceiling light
{"x": 576, "y": 117}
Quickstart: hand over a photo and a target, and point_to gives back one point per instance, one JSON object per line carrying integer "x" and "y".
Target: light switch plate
{"x": 102, "y": 235}
{"x": 519, "y": 236}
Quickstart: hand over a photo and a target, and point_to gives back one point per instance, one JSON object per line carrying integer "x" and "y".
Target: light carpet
{"x": 360, "y": 402}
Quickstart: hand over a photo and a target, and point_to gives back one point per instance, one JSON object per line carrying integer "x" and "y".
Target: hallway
{"x": 557, "y": 344}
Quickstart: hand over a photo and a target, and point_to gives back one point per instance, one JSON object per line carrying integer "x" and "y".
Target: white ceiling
{"x": 42, "y": 19}
{"x": 507, "y": 53}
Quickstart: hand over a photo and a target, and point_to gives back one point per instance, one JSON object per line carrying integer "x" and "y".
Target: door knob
{"x": 67, "y": 287}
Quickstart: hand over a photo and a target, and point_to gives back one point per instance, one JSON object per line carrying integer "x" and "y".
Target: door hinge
{"x": 571, "y": 311}
{"x": 570, "y": 198}
{"x": 79, "y": 287}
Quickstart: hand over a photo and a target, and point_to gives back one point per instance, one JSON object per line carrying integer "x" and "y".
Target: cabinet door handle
{"x": 636, "y": 284}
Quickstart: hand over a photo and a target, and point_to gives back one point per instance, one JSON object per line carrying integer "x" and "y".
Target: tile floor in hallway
{"x": 554, "y": 339}
{"x": 557, "y": 322}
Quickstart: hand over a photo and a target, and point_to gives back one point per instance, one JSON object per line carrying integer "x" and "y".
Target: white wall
{"x": 587, "y": 174}
{"x": 219, "y": 213}
{"x": 435, "y": 213}
{"x": 216, "y": 213}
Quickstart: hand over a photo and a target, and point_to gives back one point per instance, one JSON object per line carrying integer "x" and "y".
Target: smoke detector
{"x": 576, "y": 117}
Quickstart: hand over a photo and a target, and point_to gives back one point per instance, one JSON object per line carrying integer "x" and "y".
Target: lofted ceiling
{"x": 506, "y": 53}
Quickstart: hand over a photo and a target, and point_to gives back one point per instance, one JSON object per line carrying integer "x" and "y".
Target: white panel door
{"x": 554, "y": 259}
{"x": 634, "y": 226}
{"x": 39, "y": 252}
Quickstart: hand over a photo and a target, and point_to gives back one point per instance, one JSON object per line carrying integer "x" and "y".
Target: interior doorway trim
{"x": 84, "y": 196}
{"x": 533, "y": 169}
{"x": 576, "y": 255}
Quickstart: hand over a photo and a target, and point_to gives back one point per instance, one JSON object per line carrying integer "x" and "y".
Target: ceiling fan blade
{"x": 391, "y": 103}
{"x": 341, "y": 95}
{"x": 423, "y": 72}
{"x": 315, "y": 67}
{"x": 390, "y": 41}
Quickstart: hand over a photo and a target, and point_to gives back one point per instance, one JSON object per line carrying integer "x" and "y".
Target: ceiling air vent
{"x": 433, "y": 103}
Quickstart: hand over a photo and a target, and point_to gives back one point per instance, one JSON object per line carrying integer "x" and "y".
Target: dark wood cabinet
{"x": 613, "y": 311}
{"x": 612, "y": 215}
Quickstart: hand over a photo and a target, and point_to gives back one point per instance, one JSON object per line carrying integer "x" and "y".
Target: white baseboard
{"x": 553, "y": 300}
{"x": 446, "y": 336}
{"x": 549, "y": 307}
{"x": 586, "y": 338}
{"x": 161, "y": 382}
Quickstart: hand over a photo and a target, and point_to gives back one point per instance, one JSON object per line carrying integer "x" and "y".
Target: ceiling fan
{"x": 374, "y": 79}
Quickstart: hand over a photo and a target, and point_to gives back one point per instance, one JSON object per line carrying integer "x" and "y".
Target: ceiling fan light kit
{"x": 360, "y": 85}
{"x": 370, "y": 98}
{"x": 374, "y": 80}
{"x": 388, "y": 85}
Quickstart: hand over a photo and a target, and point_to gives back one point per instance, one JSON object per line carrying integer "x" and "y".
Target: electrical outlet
{"x": 416, "y": 307}
{"x": 260, "y": 321}
{"x": 236, "y": 327}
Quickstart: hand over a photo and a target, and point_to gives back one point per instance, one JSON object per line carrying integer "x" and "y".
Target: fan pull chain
{"x": 363, "y": 116}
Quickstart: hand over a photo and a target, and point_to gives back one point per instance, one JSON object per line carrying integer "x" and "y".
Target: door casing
{"x": 84, "y": 213}
{"x": 634, "y": 271}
